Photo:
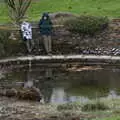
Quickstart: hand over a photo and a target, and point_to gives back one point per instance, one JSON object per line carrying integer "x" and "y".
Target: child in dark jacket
{"x": 45, "y": 26}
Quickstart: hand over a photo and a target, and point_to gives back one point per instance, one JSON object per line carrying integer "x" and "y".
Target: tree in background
{"x": 17, "y": 9}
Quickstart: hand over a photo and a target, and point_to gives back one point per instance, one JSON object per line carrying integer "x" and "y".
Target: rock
{"x": 23, "y": 93}
{"x": 12, "y": 37}
{"x": 11, "y": 92}
{"x": 8, "y": 93}
{"x": 29, "y": 94}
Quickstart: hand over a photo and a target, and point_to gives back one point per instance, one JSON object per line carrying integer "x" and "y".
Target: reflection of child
{"x": 45, "y": 26}
{"x": 27, "y": 35}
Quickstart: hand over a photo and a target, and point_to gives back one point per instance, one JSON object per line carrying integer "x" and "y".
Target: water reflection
{"x": 29, "y": 81}
{"x": 112, "y": 94}
{"x": 60, "y": 86}
{"x": 60, "y": 96}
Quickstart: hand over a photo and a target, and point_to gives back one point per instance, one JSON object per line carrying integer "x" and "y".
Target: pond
{"x": 60, "y": 85}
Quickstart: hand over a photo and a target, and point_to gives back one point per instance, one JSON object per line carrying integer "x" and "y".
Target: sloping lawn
{"x": 110, "y": 118}
{"x": 110, "y": 8}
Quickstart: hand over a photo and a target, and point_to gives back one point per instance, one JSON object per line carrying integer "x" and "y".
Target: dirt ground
{"x": 13, "y": 109}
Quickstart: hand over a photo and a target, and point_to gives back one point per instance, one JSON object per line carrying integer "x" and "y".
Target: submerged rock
{"x": 11, "y": 92}
{"x": 8, "y": 92}
{"x": 29, "y": 94}
{"x": 23, "y": 93}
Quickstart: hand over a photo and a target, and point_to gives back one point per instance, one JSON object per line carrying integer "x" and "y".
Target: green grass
{"x": 110, "y": 8}
{"x": 69, "y": 106}
{"x": 110, "y": 118}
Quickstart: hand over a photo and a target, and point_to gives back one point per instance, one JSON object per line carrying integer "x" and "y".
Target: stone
{"x": 23, "y": 93}
{"x": 29, "y": 94}
{"x": 11, "y": 92}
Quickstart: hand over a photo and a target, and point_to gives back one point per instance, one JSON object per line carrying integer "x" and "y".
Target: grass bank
{"x": 15, "y": 109}
{"x": 114, "y": 117}
{"x": 108, "y": 8}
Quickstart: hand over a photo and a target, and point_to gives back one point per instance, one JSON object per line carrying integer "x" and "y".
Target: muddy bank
{"x": 19, "y": 110}
{"x": 10, "y": 109}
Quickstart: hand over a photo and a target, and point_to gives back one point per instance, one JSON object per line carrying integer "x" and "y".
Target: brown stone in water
{"x": 23, "y": 93}
{"x": 29, "y": 94}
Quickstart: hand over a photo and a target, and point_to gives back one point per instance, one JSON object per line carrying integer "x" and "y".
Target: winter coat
{"x": 26, "y": 29}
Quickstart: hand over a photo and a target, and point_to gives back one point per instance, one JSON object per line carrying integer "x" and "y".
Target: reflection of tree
{"x": 90, "y": 83}
{"x": 87, "y": 91}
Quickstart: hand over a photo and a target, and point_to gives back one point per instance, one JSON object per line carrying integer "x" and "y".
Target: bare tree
{"x": 17, "y": 9}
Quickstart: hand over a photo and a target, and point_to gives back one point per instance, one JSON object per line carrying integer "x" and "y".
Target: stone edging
{"x": 83, "y": 59}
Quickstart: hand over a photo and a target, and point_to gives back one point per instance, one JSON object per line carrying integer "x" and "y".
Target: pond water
{"x": 60, "y": 86}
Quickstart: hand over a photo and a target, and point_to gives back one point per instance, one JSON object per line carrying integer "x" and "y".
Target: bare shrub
{"x": 17, "y": 9}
